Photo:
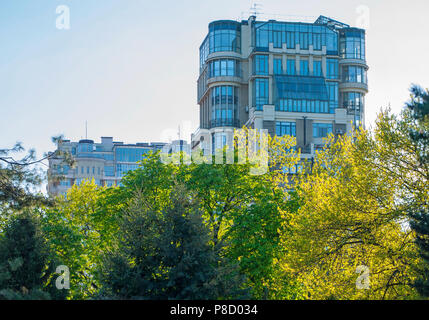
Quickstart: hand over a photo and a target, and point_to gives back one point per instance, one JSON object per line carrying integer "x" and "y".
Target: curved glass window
{"x": 354, "y": 74}
{"x": 353, "y": 101}
{"x": 224, "y": 67}
{"x": 352, "y": 44}
{"x": 225, "y": 36}
{"x": 224, "y": 101}
{"x": 85, "y": 147}
{"x": 260, "y": 64}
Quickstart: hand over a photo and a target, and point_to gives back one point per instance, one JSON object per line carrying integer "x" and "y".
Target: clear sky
{"x": 129, "y": 67}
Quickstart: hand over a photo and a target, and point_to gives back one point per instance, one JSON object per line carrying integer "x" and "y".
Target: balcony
{"x": 224, "y": 123}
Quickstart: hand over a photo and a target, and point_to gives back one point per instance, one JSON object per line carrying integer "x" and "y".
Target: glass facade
{"x": 352, "y": 43}
{"x": 224, "y": 102}
{"x": 109, "y": 171}
{"x": 224, "y": 36}
{"x": 261, "y": 92}
{"x": 285, "y": 128}
{"x": 317, "y": 68}
{"x": 354, "y": 74}
{"x": 122, "y": 168}
{"x": 332, "y": 69}
{"x": 129, "y": 154}
{"x": 224, "y": 67}
{"x": 321, "y": 130}
{"x": 333, "y": 96}
{"x": 277, "y": 66}
{"x": 301, "y": 94}
{"x": 291, "y": 67}
{"x": 260, "y": 64}
{"x": 304, "y": 69}
{"x": 293, "y": 34}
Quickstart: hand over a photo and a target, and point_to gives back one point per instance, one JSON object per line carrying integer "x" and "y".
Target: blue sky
{"x": 129, "y": 67}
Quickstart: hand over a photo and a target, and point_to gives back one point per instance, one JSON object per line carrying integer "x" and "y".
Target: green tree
{"x": 167, "y": 255}
{"x": 419, "y": 137}
{"x": 79, "y": 228}
{"x": 27, "y": 266}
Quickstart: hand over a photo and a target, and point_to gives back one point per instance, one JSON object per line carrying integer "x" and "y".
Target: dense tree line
{"x": 351, "y": 224}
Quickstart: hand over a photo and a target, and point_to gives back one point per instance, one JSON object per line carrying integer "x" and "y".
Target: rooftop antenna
{"x": 86, "y": 129}
{"x": 255, "y": 9}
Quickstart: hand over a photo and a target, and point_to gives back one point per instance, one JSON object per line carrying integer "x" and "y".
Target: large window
{"x": 261, "y": 93}
{"x": 321, "y": 130}
{"x": 124, "y": 154}
{"x": 225, "y": 36}
{"x": 354, "y": 74}
{"x": 292, "y": 33}
{"x": 303, "y": 105}
{"x": 278, "y": 66}
{"x": 224, "y": 67}
{"x": 260, "y": 64}
{"x": 352, "y": 44}
{"x": 304, "y": 69}
{"x": 291, "y": 67}
{"x": 285, "y": 128}
{"x": 332, "y": 69}
{"x": 353, "y": 101}
{"x": 224, "y": 101}
{"x": 317, "y": 68}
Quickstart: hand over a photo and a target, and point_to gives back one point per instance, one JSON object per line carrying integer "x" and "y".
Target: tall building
{"x": 106, "y": 162}
{"x": 301, "y": 79}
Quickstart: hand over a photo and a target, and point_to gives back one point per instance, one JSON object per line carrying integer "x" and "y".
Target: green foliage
{"x": 419, "y": 139}
{"x": 79, "y": 228}
{"x": 166, "y": 255}
{"x": 27, "y": 266}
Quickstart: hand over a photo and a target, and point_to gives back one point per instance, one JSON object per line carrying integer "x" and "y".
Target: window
{"x": 352, "y": 44}
{"x": 332, "y": 68}
{"x": 303, "y": 40}
{"x": 354, "y": 74}
{"x": 130, "y": 154}
{"x": 109, "y": 171}
{"x": 317, "y": 68}
{"x": 353, "y": 101}
{"x": 65, "y": 183}
{"x": 290, "y": 40}
{"x": 261, "y": 93}
{"x": 285, "y": 128}
{"x": 317, "y": 41}
{"x": 333, "y": 96}
{"x": 224, "y": 101}
{"x": 304, "y": 70}
{"x": 224, "y": 67}
{"x": 278, "y": 69}
{"x": 321, "y": 130}
{"x": 291, "y": 67}
{"x": 122, "y": 168}
{"x": 260, "y": 64}
{"x": 277, "y": 39}
{"x": 224, "y": 36}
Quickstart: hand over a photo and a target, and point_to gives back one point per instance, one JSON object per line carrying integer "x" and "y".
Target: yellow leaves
{"x": 348, "y": 218}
